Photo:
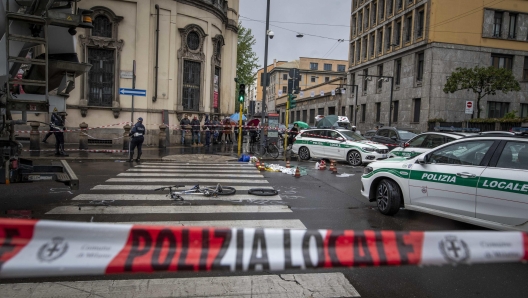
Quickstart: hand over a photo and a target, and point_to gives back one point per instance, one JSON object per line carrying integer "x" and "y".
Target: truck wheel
{"x": 388, "y": 197}
{"x": 304, "y": 153}
{"x": 354, "y": 158}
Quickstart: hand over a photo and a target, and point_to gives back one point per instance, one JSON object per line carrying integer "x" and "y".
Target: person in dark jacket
{"x": 185, "y": 125}
{"x": 217, "y": 126}
{"x": 207, "y": 127}
{"x": 57, "y": 126}
{"x": 195, "y": 128}
{"x": 136, "y": 133}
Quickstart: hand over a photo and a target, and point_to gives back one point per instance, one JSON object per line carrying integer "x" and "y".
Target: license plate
{"x": 38, "y": 177}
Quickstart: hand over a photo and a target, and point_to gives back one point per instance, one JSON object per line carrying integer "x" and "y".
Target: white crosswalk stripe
{"x": 185, "y": 180}
{"x": 130, "y": 199}
{"x": 184, "y": 175}
{"x": 165, "y": 197}
{"x": 152, "y": 187}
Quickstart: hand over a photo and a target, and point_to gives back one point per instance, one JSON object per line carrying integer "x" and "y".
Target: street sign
{"x": 469, "y": 107}
{"x": 133, "y": 92}
{"x": 127, "y": 74}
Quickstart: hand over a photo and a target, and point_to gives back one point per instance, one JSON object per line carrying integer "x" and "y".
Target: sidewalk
{"x": 223, "y": 152}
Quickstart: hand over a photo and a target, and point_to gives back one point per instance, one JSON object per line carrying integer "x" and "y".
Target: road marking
{"x": 258, "y": 286}
{"x": 193, "y": 167}
{"x": 152, "y": 187}
{"x": 185, "y": 175}
{"x": 198, "y": 164}
{"x": 160, "y": 170}
{"x": 163, "y": 197}
{"x": 264, "y": 224}
{"x": 185, "y": 180}
{"x": 166, "y": 209}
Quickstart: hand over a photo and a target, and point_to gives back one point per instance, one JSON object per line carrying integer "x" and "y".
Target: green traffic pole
{"x": 286, "y": 132}
{"x": 240, "y": 130}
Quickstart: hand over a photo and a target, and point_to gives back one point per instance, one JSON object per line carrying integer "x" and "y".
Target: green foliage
{"x": 246, "y": 57}
{"x": 510, "y": 115}
{"x": 500, "y": 120}
{"x": 482, "y": 81}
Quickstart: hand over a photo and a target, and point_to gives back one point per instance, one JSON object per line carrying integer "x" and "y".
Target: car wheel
{"x": 354, "y": 158}
{"x": 388, "y": 197}
{"x": 304, "y": 153}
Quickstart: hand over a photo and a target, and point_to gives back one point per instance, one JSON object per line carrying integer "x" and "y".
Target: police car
{"x": 425, "y": 142}
{"x": 338, "y": 144}
{"x": 479, "y": 180}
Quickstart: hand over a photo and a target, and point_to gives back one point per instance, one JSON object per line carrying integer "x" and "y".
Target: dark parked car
{"x": 369, "y": 134}
{"x": 392, "y": 136}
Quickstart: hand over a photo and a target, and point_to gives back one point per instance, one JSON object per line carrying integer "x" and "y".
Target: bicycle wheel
{"x": 263, "y": 192}
{"x": 226, "y": 190}
{"x": 273, "y": 150}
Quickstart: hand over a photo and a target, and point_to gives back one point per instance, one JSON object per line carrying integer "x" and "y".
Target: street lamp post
{"x": 264, "y": 95}
{"x": 391, "y": 92}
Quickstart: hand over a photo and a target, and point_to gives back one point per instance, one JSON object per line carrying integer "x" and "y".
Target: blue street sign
{"x": 134, "y": 92}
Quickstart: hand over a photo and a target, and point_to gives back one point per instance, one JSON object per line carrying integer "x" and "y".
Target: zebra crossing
{"x": 129, "y": 198}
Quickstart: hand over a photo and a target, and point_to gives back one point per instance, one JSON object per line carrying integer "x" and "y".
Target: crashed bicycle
{"x": 207, "y": 191}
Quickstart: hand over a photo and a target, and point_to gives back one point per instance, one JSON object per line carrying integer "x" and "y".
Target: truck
{"x": 37, "y": 55}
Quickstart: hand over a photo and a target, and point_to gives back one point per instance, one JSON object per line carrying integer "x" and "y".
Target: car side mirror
{"x": 340, "y": 139}
{"x": 394, "y": 138}
{"x": 421, "y": 160}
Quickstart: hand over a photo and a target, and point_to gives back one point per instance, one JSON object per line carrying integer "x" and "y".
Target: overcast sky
{"x": 285, "y": 45}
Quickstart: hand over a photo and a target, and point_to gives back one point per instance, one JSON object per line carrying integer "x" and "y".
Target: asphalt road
{"x": 320, "y": 201}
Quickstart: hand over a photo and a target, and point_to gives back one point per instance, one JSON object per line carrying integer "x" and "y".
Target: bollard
{"x": 83, "y": 138}
{"x": 162, "y": 137}
{"x": 34, "y": 139}
{"x": 126, "y": 137}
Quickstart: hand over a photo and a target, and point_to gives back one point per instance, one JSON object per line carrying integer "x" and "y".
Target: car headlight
{"x": 369, "y": 149}
{"x": 367, "y": 170}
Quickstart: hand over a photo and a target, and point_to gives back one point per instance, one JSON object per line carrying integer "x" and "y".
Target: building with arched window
{"x": 185, "y": 58}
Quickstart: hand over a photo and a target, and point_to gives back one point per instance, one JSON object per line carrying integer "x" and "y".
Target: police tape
{"x": 81, "y": 150}
{"x": 73, "y": 130}
{"x": 55, "y": 248}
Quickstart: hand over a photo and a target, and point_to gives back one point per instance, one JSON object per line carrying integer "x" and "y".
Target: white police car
{"x": 425, "y": 142}
{"x": 338, "y": 144}
{"x": 479, "y": 180}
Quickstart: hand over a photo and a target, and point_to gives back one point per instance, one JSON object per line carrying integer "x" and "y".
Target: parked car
{"x": 338, "y": 144}
{"x": 425, "y": 142}
{"x": 479, "y": 180}
{"x": 392, "y": 137}
{"x": 369, "y": 134}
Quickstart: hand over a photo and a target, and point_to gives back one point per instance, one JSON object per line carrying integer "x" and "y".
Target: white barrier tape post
{"x": 53, "y": 248}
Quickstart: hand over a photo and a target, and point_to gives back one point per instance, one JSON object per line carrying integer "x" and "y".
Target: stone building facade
{"x": 418, "y": 44}
{"x": 186, "y": 63}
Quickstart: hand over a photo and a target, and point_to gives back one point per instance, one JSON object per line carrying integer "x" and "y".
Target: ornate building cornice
{"x": 216, "y": 7}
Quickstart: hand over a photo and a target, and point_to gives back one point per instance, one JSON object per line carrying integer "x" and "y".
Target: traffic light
{"x": 241, "y": 92}
{"x": 291, "y": 100}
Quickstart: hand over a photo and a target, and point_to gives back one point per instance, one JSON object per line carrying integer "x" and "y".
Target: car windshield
{"x": 350, "y": 135}
{"x": 344, "y": 124}
{"x": 406, "y": 135}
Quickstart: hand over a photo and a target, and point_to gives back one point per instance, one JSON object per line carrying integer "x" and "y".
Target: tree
{"x": 246, "y": 57}
{"x": 482, "y": 81}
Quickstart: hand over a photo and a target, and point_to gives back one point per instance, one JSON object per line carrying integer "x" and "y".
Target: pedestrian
{"x": 216, "y": 133}
{"x": 377, "y": 127}
{"x": 136, "y": 133}
{"x": 227, "y": 130}
{"x": 207, "y": 127}
{"x": 293, "y": 133}
{"x": 195, "y": 128}
{"x": 57, "y": 126}
{"x": 50, "y": 132}
{"x": 184, "y": 125}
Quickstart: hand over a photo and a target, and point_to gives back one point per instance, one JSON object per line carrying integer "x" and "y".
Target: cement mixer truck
{"x": 37, "y": 55}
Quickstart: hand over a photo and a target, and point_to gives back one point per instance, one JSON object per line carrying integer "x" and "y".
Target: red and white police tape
{"x": 31, "y": 248}
{"x": 82, "y": 150}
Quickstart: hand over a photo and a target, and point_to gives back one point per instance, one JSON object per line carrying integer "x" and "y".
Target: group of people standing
{"x": 216, "y": 131}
